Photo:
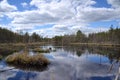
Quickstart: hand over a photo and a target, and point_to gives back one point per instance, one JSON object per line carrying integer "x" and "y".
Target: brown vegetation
{"x": 0, "y": 57}
{"x": 27, "y": 61}
{"x": 6, "y": 49}
{"x": 41, "y": 50}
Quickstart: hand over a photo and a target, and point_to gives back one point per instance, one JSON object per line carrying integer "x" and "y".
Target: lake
{"x": 70, "y": 63}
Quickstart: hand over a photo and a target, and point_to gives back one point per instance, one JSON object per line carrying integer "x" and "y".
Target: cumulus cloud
{"x": 5, "y": 7}
{"x": 24, "y": 4}
{"x": 58, "y": 11}
{"x": 66, "y": 15}
{"x": 114, "y": 3}
{"x": 65, "y": 29}
{"x": 48, "y": 12}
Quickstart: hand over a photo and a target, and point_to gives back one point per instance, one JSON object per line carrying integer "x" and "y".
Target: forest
{"x": 111, "y": 36}
{"x": 7, "y": 36}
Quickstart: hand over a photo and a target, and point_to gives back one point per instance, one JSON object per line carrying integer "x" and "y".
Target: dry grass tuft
{"x": 27, "y": 61}
{"x": 41, "y": 50}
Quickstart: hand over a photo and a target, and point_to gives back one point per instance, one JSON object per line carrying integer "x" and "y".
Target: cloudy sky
{"x": 58, "y": 17}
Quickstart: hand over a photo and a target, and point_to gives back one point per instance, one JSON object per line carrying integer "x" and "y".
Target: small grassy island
{"x": 39, "y": 50}
{"x": 25, "y": 60}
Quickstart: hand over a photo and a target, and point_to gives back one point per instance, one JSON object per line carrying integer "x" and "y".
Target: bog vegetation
{"x": 39, "y": 50}
{"x": 26, "y": 60}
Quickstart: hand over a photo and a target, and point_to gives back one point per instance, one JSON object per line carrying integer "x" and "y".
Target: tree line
{"x": 112, "y": 36}
{"x": 7, "y": 36}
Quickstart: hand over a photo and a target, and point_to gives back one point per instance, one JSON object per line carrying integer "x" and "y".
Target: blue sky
{"x": 59, "y": 17}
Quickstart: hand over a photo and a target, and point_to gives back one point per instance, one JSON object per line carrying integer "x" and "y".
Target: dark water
{"x": 71, "y": 63}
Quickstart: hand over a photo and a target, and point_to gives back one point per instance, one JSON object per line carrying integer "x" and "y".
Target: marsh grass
{"x": 26, "y": 61}
{"x": 9, "y": 49}
{"x": 1, "y": 57}
{"x": 39, "y": 50}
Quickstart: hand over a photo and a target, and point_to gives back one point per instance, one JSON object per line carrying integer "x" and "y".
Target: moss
{"x": 27, "y": 61}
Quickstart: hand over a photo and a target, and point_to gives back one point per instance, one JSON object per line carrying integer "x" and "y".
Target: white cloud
{"x": 24, "y": 4}
{"x": 5, "y": 7}
{"x": 98, "y": 14}
{"x": 54, "y": 10}
{"x": 66, "y": 15}
{"x": 53, "y": 31}
{"x": 114, "y": 3}
{"x": 65, "y": 29}
{"x": 34, "y": 17}
{"x": 7, "y": 26}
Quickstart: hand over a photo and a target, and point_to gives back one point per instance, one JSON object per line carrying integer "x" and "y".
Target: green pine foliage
{"x": 7, "y": 36}
{"x": 112, "y": 36}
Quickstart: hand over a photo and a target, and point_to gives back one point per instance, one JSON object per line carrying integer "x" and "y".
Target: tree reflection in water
{"x": 74, "y": 63}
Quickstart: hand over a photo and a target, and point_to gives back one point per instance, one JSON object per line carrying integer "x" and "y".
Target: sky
{"x": 59, "y": 17}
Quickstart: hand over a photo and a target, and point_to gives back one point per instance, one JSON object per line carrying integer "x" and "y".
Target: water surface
{"x": 70, "y": 63}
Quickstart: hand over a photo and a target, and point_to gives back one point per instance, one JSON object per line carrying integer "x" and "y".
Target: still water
{"x": 70, "y": 63}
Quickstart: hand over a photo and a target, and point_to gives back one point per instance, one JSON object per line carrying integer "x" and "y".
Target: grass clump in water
{"x": 1, "y": 57}
{"x": 41, "y": 50}
{"x": 27, "y": 61}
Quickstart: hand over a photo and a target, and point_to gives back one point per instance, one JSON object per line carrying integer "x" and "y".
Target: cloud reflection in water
{"x": 67, "y": 66}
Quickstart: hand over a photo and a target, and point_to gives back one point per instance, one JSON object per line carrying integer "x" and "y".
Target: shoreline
{"x": 97, "y": 44}
{"x": 43, "y": 43}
